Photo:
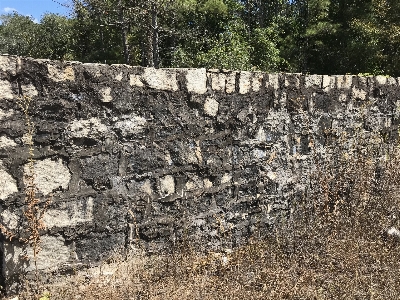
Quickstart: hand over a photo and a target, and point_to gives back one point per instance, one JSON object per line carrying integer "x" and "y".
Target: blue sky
{"x": 34, "y": 8}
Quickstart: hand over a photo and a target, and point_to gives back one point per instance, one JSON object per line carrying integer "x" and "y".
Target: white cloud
{"x": 9, "y": 9}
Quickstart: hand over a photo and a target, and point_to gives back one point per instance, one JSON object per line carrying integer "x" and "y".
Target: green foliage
{"x": 51, "y": 38}
{"x": 229, "y": 51}
{"x": 214, "y": 7}
{"x": 265, "y": 54}
{"x": 312, "y": 36}
{"x": 19, "y": 35}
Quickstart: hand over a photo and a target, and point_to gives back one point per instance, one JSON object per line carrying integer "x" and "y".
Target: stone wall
{"x": 161, "y": 155}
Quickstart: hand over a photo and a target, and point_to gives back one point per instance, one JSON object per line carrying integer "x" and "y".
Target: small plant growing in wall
{"x": 34, "y": 211}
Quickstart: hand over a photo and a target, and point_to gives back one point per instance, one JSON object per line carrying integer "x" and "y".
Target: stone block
{"x": 196, "y": 81}
{"x": 58, "y": 73}
{"x": 211, "y": 107}
{"x": 8, "y": 185}
{"x": 257, "y": 81}
{"x": 8, "y": 64}
{"x": 49, "y": 175}
{"x": 6, "y": 142}
{"x": 230, "y": 83}
{"x": 106, "y": 94}
{"x": 91, "y": 128}
{"x": 6, "y": 91}
{"x": 244, "y": 82}
{"x": 161, "y": 79}
{"x": 53, "y": 253}
{"x": 130, "y": 125}
{"x": 313, "y": 81}
{"x": 344, "y": 82}
{"x": 381, "y": 80}
{"x": 69, "y": 214}
{"x": 218, "y": 81}
{"x": 167, "y": 185}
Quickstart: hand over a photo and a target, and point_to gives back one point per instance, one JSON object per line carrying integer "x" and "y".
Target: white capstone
{"x": 49, "y": 175}
{"x": 218, "y": 82}
{"x": 292, "y": 80}
{"x": 391, "y": 81}
{"x": 256, "y": 82}
{"x": 161, "y": 79}
{"x": 167, "y": 185}
{"x": 344, "y": 82}
{"x": 5, "y": 90}
{"x": 381, "y": 79}
{"x": 196, "y": 81}
{"x": 273, "y": 81}
{"x": 313, "y": 81}
{"x": 58, "y": 74}
{"x": 5, "y": 142}
{"x": 328, "y": 82}
{"x": 230, "y": 83}
{"x": 244, "y": 82}
{"x": 87, "y": 128}
{"x": 8, "y": 185}
{"x": 211, "y": 106}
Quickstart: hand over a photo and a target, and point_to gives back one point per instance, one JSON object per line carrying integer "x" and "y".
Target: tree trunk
{"x": 124, "y": 33}
{"x": 154, "y": 27}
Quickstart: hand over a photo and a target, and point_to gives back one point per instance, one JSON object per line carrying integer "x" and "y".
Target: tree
{"x": 19, "y": 35}
{"x": 51, "y": 38}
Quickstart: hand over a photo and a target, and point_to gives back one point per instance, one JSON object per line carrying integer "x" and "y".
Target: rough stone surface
{"x": 61, "y": 74}
{"x": 53, "y": 254}
{"x": 230, "y": 83}
{"x": 167, "y": 185}
{"x": 170, "y": 153}
{"x": 8, "y": 64}
{"x": 211, "y": 107}
{"x": 196, "y": 81}
{"x": 161, "y": 79}
{"x": 70, "y": 214}
{"x": 50, "y": 175}
{"x": 218, "y": 82}
{"x": 244, "y": 82}
{"x": 130, "y": 125}
{"x": 6, "y": 142}
{"x": 8, "y": 184}
{"x": 6, "y": 90}
{"x": 106, "y": 93}
{"x": 92, "y": 128}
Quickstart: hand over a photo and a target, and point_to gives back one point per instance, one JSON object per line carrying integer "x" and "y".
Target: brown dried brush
{"x": 34, "y": 211}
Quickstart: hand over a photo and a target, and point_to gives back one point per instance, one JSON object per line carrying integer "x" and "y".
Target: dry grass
{"x": 336, "y": 244}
